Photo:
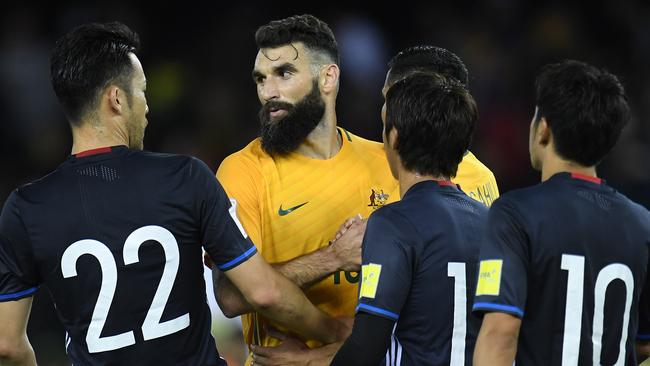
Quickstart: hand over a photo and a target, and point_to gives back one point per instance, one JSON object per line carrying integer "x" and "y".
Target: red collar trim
{"x": 101, "y": 150}
{"x": 587, "y": 178}
{"x": 446, "y": 183}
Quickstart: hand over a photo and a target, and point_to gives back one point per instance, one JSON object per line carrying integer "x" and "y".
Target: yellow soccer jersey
{"x": 293, "y": 205}
{"x": 476, "y": 180}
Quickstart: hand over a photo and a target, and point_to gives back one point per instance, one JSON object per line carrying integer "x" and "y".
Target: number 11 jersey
{"x": 115, "y": 235}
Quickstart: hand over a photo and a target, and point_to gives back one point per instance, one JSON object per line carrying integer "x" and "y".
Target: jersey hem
{"x": 18, "y": 295}
{"x": 377, "y": 311}
{"x": 233, "y": 263}
{"x": 489, "y": 307}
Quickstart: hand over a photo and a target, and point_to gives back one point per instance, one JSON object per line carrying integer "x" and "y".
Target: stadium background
{"x": 202, "y": 101}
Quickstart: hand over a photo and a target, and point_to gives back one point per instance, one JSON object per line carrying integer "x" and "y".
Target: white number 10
{"x": 575, "y": 266}
{"x": 151, "y": 327}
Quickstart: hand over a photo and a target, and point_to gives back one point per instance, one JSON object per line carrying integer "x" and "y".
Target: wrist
{"x": 335, "y": 263}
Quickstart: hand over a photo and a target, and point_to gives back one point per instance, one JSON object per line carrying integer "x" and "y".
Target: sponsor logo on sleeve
{"x": 369, "y": 280}
{"x": 489, "y": 277}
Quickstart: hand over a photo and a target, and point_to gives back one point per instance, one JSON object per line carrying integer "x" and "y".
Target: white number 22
{"x": 151, "y": 327}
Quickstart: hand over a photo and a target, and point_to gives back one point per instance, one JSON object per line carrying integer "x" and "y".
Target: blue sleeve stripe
{"x": 377, "y": 310}
{"x": 643, "y": 337}
{"x": 19, "y": 294}
{"x": 498, "y": 307}
{"x": 247, "y": 254}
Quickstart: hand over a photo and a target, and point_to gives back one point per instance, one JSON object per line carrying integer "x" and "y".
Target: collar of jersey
{"x": 578, "y": 177}
{"x": 432, "y": 184}
{"x": 102, "y": 151}
{"x": 339, "y": 155}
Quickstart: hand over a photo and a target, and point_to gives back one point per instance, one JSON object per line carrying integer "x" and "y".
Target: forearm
{"x": 294, "y": 311}
{"x": 230, "y": 300}
{"x": 642, "y": 350}
{"x": 303, "y": 271}
{"x": 18, "y": 355}
{"x": 495, "y": 347}
{"x": 310, "y": 268}
{"x": 372, "y": 335}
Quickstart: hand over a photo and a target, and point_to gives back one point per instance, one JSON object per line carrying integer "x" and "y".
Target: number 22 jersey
{"x": 115, "y": 235}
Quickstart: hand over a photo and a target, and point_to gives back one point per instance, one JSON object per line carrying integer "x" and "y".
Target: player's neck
{"x": 408, "y": 179}
{"x": 324, "y": 141}
{"x": 89, "y": 136}
{"x": 555, "y": 164}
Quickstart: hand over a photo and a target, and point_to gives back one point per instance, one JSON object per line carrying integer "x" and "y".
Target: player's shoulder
{"x": 472, "y": 165}
{"x": 156, "y": 163}
{"x": 523, "y": 200}
{"x": 637, "y": 209}
{"x": 392, "y": 221}
{"x": 362, "y": 145}
{"x": 250, "y": 156}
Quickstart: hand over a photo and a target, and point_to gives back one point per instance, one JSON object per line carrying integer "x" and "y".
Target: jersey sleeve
{"x": 503, "y": 263}
{"x": 223, "y": 236}
{"x": 241, "y": 180}
{"x": 387, "y": 265}
{"x": 18, "y": 273}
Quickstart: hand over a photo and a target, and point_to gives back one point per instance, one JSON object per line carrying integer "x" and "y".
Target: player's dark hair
{"x": 86, "y": 60}
{"x": 427, "y": 59}
{"x": 585, "y": 107}
{"x": 314, "y": 33}
{"x": 435, "y": 118}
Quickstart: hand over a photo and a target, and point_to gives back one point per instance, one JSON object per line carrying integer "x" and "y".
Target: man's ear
{"x": 543, "y": 132}
{"x": 116, "y": 99}
{"x": 393, "y": 139}
{"x": 329, "y": 78}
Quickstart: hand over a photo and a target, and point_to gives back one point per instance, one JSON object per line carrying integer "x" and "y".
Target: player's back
{"x": 588, "y": 251}
{"x": 116, "y": 238}
{"x": 439, "y": 229}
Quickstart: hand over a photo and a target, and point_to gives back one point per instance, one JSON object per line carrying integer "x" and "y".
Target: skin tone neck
{"x": 544, "y": 156}
{"x": 286, "y": 74}
{"x": 405, "y": 177}
{"x": 408, "y": 179}
{"x": 99, "y": 131}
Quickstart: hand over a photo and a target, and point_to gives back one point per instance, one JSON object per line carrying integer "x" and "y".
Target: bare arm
{"x": 14, "y": 345}
{"x": 496, "y": 344}
{"x": 643, "y": 351}
{"x": 343, "y": 254}
{"x": 277, "y": 298}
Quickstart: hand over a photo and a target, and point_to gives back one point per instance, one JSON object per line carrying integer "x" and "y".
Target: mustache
{"x": 266, "y": 108}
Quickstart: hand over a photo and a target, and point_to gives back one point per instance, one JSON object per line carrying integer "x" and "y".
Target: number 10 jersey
{"x": 569, "y": 257}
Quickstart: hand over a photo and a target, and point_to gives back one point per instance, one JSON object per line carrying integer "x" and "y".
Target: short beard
{"x": 281, "y": 137}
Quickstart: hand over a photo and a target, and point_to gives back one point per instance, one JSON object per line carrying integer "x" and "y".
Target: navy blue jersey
{"x": 115, "y": 235}
{"x": 419, "y": 263}
{"x": 569, "y": 257}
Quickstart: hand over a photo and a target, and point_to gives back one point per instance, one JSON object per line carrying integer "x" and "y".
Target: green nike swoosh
{"x": 282, "y": 212}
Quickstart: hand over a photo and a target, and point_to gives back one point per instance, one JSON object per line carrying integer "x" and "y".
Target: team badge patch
{"x": 370, "y": 279}
{"x": 489, "y": 277}
{"x": 377, "y": 198}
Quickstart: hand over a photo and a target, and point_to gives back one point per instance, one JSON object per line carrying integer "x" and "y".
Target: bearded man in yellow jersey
{"x": 296, "y": 184}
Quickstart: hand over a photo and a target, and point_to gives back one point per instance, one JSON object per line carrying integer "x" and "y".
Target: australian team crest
{"x": 377, "y": 198}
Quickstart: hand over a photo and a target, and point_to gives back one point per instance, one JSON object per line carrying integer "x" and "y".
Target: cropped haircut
{"x": 435, "y": 118}
{"x": 314, "y": 33}
{"x": 585, "y": 107}
{"x": 86, "y": 60}
{"x": 427, "y": 59}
